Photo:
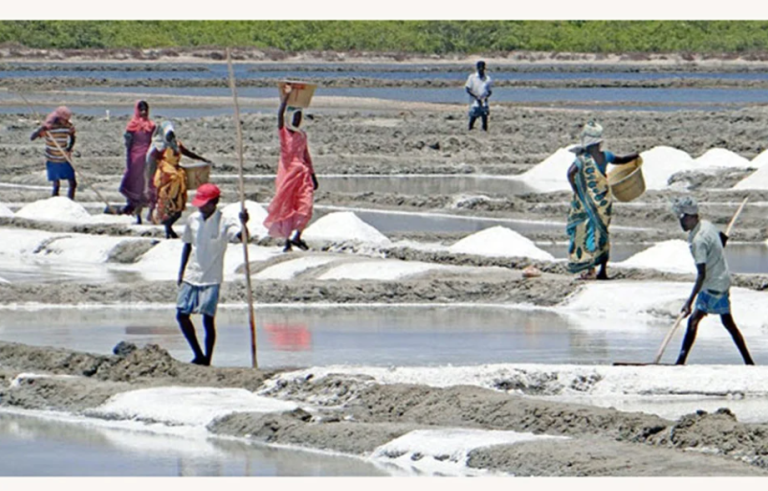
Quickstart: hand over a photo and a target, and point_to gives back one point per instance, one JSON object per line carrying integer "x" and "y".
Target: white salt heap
{"x": 5, "y": 211}
{"x": 57, "y": 208}
{"x": 344, "y": 226}
{"x": 672, "y": 256}
{"x": 756, "y": 180}
{"x": 500, "y": 241}
{"x": 759, "y": 160}
{"x": 716, "y": 158}
{"x": 550, "y": 174}
{"x": 660, "y": 163}
{"x": 256, "y": 216}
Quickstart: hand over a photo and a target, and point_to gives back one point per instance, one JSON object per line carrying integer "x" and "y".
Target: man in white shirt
{"x": 205, "y": 238}
{"x": 478, "y": 87}
{"x": 713, "y": 281}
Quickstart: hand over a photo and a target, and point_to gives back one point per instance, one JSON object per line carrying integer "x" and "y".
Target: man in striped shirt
{"x": 59, "y": 136}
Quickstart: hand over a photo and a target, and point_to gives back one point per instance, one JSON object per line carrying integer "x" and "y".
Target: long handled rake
{"x": 251, "y": 315}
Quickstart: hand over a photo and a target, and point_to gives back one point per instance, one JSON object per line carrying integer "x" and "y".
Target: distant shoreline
{"x": 252, "y": 55}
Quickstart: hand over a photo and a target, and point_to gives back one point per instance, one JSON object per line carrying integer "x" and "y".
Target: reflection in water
{"x": 289, "y": 337}
{"x": 34, "y": 446}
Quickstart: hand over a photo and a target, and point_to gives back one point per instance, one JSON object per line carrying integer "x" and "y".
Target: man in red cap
{"x": 205, "y": 238}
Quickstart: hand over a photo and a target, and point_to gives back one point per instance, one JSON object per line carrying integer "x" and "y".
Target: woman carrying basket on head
{"x": 169, "y": 178}
{"x": 591, "y": 207}
{"x": 295, "y": 185}
{"x": 138, "y": 138}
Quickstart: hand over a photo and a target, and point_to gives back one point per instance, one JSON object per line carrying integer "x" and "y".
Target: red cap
{"x": 205, "y": 193}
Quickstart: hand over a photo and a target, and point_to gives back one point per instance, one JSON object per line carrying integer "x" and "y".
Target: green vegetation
{"x": 438, "y": 37}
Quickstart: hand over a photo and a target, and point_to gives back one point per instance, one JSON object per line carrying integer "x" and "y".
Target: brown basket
{"x": 197, "y": 173}
{"x": 626, "y": 181}
{"x": 301, "y": 93}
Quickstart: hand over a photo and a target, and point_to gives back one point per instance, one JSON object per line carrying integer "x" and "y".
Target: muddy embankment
{"x": 359, "y": 415}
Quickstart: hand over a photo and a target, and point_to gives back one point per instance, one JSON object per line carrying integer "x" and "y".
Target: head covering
{"x": 591, "y": 134}
{"x": 62, "y": 114}
{"x": 686, "y": 205}
{"x": 161, "y": 138}
{"x": 205, "y": 193}
{"x": 137, "y": 123}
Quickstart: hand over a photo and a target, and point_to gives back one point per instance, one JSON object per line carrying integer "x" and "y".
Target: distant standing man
{"x": 205, "y": 238}
{"x": 478, "y": 87}
{"x": 713, "y": 280}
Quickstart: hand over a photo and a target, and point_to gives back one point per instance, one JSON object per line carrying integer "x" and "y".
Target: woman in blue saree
{"x": 591, "y": 207}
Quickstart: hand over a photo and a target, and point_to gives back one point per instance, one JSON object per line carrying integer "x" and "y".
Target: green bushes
{"x": 439, "y": 37}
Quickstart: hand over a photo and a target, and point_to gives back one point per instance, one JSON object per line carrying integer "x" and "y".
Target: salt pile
{"x": 672, "y": 256}
{"x": 256, "y": 213}
{"x": 379, "y": 270}
{"x": 551, "y": 174}
{"x": 500, "y": 241}
{"x": 660, "y": 163}
{"x": 756, "y": 180}
{"x": 57, "y": 208}
{"x": 344, "y": 226}
{"x": 760, "y": 160}
{"x": 5, "y": 211}
{"x": 717, "y": 158}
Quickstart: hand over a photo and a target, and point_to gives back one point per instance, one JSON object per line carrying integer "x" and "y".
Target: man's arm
{"x": 37, "y": 133}
{"x": 184, "y": 259}
{"x": 701, "y": 275}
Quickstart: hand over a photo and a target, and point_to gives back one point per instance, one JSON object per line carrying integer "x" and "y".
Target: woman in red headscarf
{"x": 138, "y": 137}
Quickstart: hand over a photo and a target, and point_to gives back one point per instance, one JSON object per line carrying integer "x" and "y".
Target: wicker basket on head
{"x": 626, "y": 181}
{"x": 197, "y": 173}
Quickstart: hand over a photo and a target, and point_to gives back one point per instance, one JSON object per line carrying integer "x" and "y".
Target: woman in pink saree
{"x": 138, "y": 137}
{"x": 295, "y": 185}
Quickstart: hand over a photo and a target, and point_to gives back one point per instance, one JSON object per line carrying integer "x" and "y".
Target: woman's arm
{"x": 128, "y": 137}
{"x": 191, "y": 154}
{"x": 624, "y": 159}
{"x": 71, "y": 143}
{"x": 572, "y": 170}
{"x": 283, "y": 104}
{"x": 37, "y": 133}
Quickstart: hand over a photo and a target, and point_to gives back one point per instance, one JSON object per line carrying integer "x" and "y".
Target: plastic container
{"x": 301, "y": 93}
{"x": 626, "y": 181}
{"x": 197, "y": 173}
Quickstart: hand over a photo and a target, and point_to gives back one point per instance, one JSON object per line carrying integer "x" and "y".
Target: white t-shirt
{"x": 706, "y": 248}
{"x": 479, "y": 86}
{"x": 209, "y": 239}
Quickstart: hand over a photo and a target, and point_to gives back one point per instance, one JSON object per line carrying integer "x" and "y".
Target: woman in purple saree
{"x": 138, "y": 137}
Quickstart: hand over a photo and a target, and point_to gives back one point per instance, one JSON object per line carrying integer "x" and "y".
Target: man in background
{"x": 478, "y": 87}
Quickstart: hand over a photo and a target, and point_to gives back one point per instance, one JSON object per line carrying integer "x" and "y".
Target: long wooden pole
{"x": 735, "y": 216}
{"x": 239, "y": 131}
{"x": 58, "y": 147}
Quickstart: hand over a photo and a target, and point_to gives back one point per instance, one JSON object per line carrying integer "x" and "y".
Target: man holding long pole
{"x": 713, "y": 280}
